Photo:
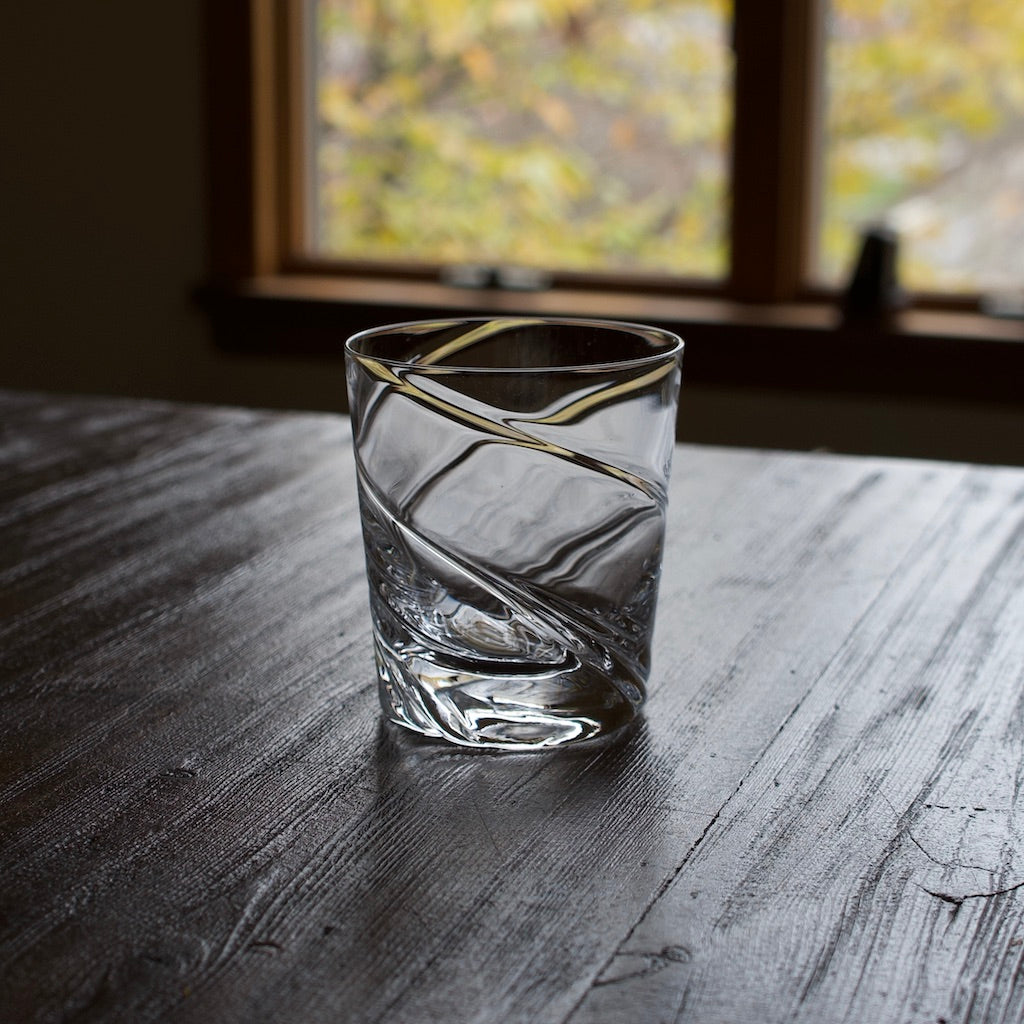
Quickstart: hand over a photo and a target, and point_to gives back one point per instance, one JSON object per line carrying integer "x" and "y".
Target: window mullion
{"x": 777, "y": 87}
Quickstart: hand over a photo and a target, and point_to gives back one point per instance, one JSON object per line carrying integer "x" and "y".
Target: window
{"x": 806, "y": 130}
{"x": 594, "y": 136}
{"x": 586, "y": 136}
{"x": 924, "y": 129}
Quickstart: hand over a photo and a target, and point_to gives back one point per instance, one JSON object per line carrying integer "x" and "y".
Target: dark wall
{"x": 102, "y": 212}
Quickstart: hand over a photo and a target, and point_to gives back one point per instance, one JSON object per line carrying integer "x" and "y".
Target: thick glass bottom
{"x": 502, "y": 706}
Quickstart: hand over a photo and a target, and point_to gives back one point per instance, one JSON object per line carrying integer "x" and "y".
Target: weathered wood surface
{"x": 819, "y": 818}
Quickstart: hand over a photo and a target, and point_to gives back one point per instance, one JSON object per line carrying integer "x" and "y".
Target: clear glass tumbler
{"x": 512, "y": 482}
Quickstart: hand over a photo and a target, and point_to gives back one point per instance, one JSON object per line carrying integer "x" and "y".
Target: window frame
{"x": 259, "y": 278}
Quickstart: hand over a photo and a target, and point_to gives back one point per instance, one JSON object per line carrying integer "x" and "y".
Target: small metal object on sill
{"x": 873, "y": 293}
{"x": 509, "y": 278}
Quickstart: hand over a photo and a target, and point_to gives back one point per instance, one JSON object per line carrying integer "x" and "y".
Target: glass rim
{"x": 673, "y": 342}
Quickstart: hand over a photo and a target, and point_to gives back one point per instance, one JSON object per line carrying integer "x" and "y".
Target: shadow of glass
{"x": 480, "y": 869}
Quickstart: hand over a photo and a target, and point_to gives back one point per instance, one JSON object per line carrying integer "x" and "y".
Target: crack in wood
{"x": 958, "y": 901}
{"x": 947, "y": 863}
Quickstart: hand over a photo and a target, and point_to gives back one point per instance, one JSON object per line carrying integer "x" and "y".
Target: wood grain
{"x": 202, "y": 818}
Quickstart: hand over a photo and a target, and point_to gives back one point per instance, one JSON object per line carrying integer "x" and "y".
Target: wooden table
{"x": 819, "y": 818}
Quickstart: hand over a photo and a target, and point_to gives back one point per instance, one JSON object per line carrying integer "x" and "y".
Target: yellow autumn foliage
{"x": 594, "y": 133}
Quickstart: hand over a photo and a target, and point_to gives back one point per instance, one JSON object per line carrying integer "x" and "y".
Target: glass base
{"x": 503, "y": 707}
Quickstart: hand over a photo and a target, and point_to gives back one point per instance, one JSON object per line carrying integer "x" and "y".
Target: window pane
{"x": 925, "y": 133}
{"x": 564, "y": 134}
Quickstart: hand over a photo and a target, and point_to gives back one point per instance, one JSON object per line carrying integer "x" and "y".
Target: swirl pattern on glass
{"x": 513, "y": 517}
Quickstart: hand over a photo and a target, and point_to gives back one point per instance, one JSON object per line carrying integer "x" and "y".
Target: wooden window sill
{"x": 795, "y": 346}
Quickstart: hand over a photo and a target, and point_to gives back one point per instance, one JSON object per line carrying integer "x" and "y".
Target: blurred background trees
{"x": 594, "y": 134}
{"x": 584, "y": 134}
{"x": 925, "y": 127}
